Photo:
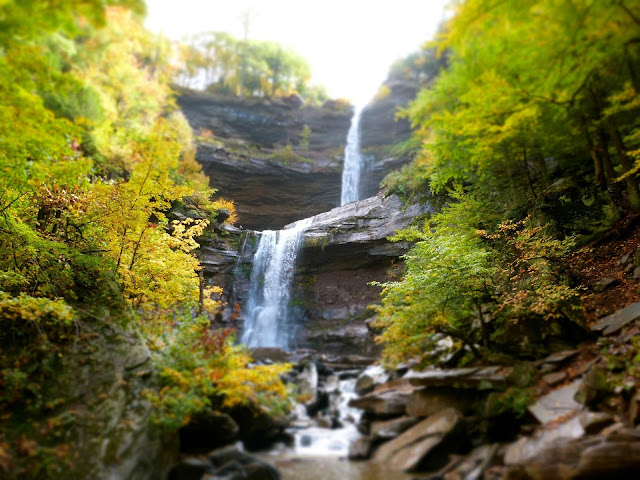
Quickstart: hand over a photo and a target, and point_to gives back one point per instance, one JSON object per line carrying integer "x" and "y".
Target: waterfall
{"x": 353, "y": 162}
{"x": 267, "y": 324}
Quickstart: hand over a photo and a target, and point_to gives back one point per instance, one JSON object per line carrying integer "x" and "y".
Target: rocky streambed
{"x": 561, "y": 417}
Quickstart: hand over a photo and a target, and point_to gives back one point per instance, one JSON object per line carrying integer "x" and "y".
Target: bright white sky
{"x": 349, "y": 44}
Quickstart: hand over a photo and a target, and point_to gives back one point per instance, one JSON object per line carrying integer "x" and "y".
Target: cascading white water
{"x": 273, "y": 268}
{"x": 353, "y": 162}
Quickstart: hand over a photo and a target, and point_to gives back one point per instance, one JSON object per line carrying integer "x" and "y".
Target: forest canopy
{"x": 224, "y": 64}
{"x": 531, "y": 134}
{"x": 94, "y": 156}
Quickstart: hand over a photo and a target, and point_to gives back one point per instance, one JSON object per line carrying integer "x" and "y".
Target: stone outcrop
{"x": 381, "y": 128}
{"x": 357, "y": 234}
{"x": 269, "y": 190}
{"x": 344, "y": 249}
{"x": 424, "y": 445}
{"x": 102, "y": 376}
{"x": 265, "y": 122}
{"x": 269, "y": 194}
{"x": 225, "y": 464}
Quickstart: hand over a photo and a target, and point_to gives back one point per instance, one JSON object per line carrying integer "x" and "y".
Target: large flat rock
{"x": 528, "y": 448}
{"x": 385, "y": 404}
{"x": 483, "y": 378}
{"x": 356, "y": 234}
{"x": 615, "y": 456}
{"x": 556, "y": 404}
{"x": 412, "y": 449}
{"x": 614, "y": 322}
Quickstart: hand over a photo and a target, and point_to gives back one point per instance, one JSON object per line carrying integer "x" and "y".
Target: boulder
{"x": 425, "y": 445}
{"x": 371, "y": 377}
{"x": 424, "y": 402}
{"x": 257, "y": 429}
{"x": 361, "y": 448}
{"x": 614, "y": 322}
{"x": 233, "y": 464}
{"x": 207, "y": 431}
{"x": 332, "y": 384}
{"x": 473, "y": 466}
{"x": 527, "y": 448}
{"x": 388, "y": 429}
{"x": 307, "y": 382}
{"x": 386, "y": 404}
{"x": 594, "y": 387}
{"x": 556, "y": 404}
{"x": 190, "y": 469}
{"x": 614, "y": 456}
{"x": 555, "y": 378}
{"x": 483, "y": 378}
{"x": 595, "y": 422}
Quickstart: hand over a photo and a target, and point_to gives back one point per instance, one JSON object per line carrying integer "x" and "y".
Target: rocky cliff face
{"x": 271, "y": 186}
{"x": 266, "y": 123}
{"x": 269, "y": 194}
{"x": 345, "y": 249}
{"x": 380, "y": 129}
{"x": 274, "y": 171}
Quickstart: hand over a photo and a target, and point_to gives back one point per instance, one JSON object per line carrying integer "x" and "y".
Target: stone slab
{"x": 614, "y": 322}
{"x": 556, "y": 404}
{"x": 463, "y": 378}
{"x": 528, "y": 448}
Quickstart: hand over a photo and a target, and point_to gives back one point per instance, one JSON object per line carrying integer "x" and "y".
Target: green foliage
{"x": 537, "y": 99}
{"x": 304, "y": 137}
{"x": 195, "y": 364}
{"x": 232, "y": 66}
{"x": 513, "y": 401}
{"x": 449, "y": 275}
{"x": 287, "y": 155}
{"x": 93, "y": 156}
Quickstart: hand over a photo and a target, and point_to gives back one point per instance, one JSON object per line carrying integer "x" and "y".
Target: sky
{"x": 349, "y": 44}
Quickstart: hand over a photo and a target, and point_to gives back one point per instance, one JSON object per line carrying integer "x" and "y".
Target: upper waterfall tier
{"x": 353, "y": 168}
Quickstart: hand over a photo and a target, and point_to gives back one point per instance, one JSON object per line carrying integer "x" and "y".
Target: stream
{"x": 321, "y": 453}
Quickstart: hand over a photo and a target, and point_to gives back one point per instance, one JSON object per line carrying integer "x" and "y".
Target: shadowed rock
{"x": 424, "y": 445}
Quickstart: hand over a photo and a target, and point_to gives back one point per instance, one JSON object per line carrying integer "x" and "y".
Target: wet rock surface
{"x": 208, "y": 431}
{"x": 229, "y": 463}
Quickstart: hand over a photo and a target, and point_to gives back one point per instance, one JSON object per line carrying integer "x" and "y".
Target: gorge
{"x": 253, "y": 281}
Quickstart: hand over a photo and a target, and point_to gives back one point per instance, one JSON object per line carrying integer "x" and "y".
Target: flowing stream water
{"x": 353, "y": 162}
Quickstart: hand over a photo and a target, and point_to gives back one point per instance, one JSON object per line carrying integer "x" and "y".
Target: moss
{"x": 287, "y": 155}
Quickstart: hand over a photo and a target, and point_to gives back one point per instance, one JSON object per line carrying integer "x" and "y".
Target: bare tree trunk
{"x": 597, "y": 161}
{"x": 630, "y": 181}
{"x": 201, "y": 287}
{"x": 606, "y": 158}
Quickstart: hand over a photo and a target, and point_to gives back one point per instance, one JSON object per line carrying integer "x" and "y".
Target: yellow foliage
{"x": 221, "y": 203}
{"x": 382, "y": 93}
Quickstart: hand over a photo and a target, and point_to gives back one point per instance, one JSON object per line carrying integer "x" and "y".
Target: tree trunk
{"x": 630, "y": 181}
{"x": 606, "y": 158}
{"x": 597, "y": 161}
{"x": 201, "y": 288}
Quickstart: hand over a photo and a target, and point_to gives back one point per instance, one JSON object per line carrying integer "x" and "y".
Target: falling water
{"x": 353, "y": 162}
{"x": 267, "y": 324}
